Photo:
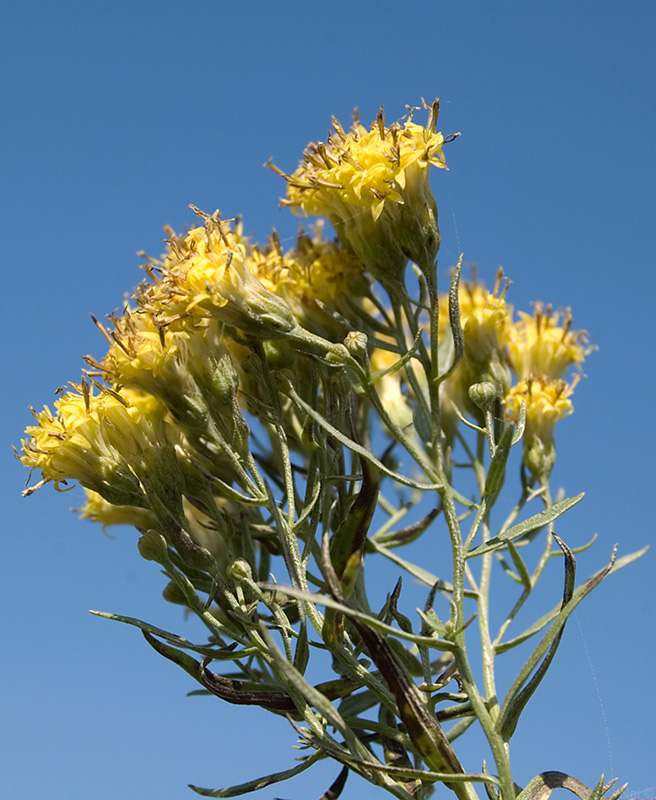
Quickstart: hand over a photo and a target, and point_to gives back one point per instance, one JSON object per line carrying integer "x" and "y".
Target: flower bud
{"x": 152, "y": 546}
{"x": 240, "y": 571}
{"x": 356, "y": 343}
{"x": 483, "y": 395}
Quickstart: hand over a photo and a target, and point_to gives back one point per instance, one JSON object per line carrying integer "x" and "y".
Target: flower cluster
{"x": 533, "y": 353}
{"x": 180, "y": 366}
{"x": 541, "y": 349}
{"x": 255, "y": 405}
{"x": 373, "y": 187}
{"x": 163, "y": 416}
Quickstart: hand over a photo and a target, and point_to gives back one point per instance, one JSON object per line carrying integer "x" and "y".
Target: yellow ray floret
{"x": 547, "y": 401}
{"x": 316, "y": 269}
{"x": 208, "y": 274}
{"x": 96, "y": 439}
{"x": 543, "y": 343}
{"x": 362, "y": 168}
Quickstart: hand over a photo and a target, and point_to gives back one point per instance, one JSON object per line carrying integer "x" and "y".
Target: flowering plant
{"x": 276, "y": 425}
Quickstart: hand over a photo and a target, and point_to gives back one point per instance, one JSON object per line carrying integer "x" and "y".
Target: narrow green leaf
{"x": 536, "y": 627}
{"x": 357, "y": 448}
{"x": 454, "y": 321}
{"x": 496, "y": 473}
{"x": 598, "y": 792}
{"x": 416, "y": 571}
{"x": 218, "y": 654}
{"x": 432, "y": 621}
{"x": 532, "y": 523}
{"x": 541, "y": 623}
{"x": 618, "y": 792}
{"x": 302, "y": 652}
{"x": 521, "y": 424}
{"x": 258, "y": 783}
{"x": 557, "y": 625}
{"x": 505, "y": 566}
{"x": 337, "y": 786}
{"x": 182, "y": 659}
{"x": 372, "y": 622}
{"x": 409, "y": 533}
{"x": 513, "y": 709}
{"x": 397, "y": 365}
{"x": 518, "y": 561}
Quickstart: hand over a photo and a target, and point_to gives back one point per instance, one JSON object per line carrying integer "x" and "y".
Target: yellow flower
{"x": 390, "y": 389}
{"x": 373, "y": 186}
{"x": 97, "y": 509}
{"x": 544, "y": 344}
{"x": 485, "y": 321}
{"x": 140, "y": 350}
{"x": 321, "y": 269}
{"x": 208, "y": 274}
{"x": 100, "y": 440}
{"x": 485, "y": 317}
{"x": 547, "y": 401}
{"x": 316, "y": 274}
{"x": 189, "y": 370}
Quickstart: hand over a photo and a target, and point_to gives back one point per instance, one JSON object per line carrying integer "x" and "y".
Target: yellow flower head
{"x": 323, "y": 269}
{"x": 97, "y": 509}
{"x": 208, "y": 274}
{"x": 485, "y": 319}
{"x": 547, "y": 401}
{"x": 544, "y": 344}
{"x": 373, "y": 186}
{"x": 99, "y": 440}
{"x": 316, "y": 273}
{"x": 188, "y": 370}
{"x": 140, "y": 349}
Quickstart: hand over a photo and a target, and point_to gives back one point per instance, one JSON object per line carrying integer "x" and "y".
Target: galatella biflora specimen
{"x": 278, "y": 424}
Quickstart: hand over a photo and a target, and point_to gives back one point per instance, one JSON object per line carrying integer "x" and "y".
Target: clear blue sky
{"x": 116, "y": 116}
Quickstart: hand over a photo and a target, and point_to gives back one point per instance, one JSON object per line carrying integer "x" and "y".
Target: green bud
{"x": 240, "y": 571}
{"x": 356, "y": 343}
{"x": 339, "y": 355}
{"x": 173, "y": 594}
{"x": 483, "y": 395}
{"x": 539, "y": 458}
{"x": 152, "y": 546}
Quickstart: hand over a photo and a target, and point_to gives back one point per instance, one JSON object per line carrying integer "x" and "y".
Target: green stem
{"x": 479, "y": 706}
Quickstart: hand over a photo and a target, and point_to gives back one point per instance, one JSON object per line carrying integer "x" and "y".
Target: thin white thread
{"x": 599, "y": 697}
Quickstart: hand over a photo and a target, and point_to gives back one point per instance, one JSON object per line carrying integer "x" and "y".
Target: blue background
{"x": 116, "y": 116}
